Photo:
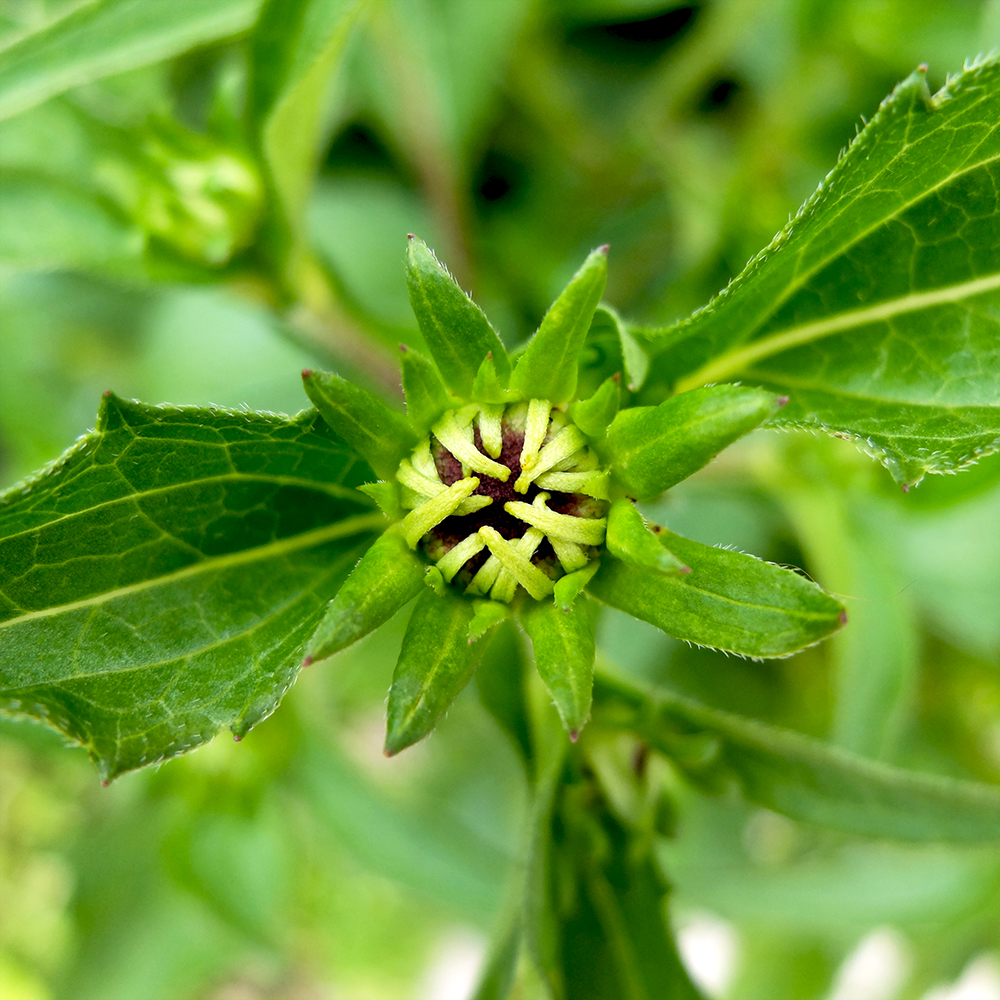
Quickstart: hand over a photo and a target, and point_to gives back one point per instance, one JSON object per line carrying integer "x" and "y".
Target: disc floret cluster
{"x": 508, "y": 491}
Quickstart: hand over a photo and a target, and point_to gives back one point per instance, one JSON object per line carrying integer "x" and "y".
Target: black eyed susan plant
{"x": 169, "y": 575}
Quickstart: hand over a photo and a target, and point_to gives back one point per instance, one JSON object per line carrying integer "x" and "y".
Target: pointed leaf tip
{"x": 842, "y": 617}
{"x": 237, "y": 738}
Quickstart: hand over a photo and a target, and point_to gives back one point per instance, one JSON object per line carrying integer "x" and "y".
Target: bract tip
{"x": 306, "y": 372}
{"x": 308, "y": 661}
{"x": 573, "y": 736}
{"x": 922, "y": 67}
{"x": 782, "y": 400}
{"x": 604, "y": 248}
{"x": 410, "y": 236}
{"x": 237, "y": 738}
{"x": 842, "y": 617}
{"x": 683, "y": 569}
{"x": 107, "y": 392}
{"x": 905, "y": 487}
{"x": 105, "y": 783}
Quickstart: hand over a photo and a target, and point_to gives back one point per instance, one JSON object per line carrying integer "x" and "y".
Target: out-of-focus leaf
{"x": 548, "y": 367}
{"x": 729, "y": 601}
{"x": 51, "y": 225}
{"x": 876, "y": 308}
{"x": 388, "y": 576}
{"x": 564, "y": 655}
{"x": 294, "y": 54}
{"x": 456, "y": 330}
{"x": 110, "y": 36}
{"x": 159, "y": 580}
{"x": 655, "y": 447}
{"x": 805, "y": 778}
{"x": 382, "y": 436}
{"x": 434, "y": 664}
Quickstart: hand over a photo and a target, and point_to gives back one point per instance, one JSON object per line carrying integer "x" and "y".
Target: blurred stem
{"x": 420, "y": 125}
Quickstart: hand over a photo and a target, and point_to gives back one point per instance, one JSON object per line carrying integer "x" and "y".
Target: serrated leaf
{"x": 729, "y": 601}
{"x": 426, "y": 396}
{"x": 564, "y": 655}
{"x": 629, "y": 539}
{"x": 548, "y": 367}
{"x": 381, "y": 436}
{"x": 655, "y": 447}
{"x": 110, "y": 36}
{"x": 387, "y": 577}
{"x": 877, "y": 309}
{"x": 294, "y": 55}
{"x": 810, "y": 780}
{"x": 158, "y": 582}
{"x": 454, "y": 328}
{"x": 434, "y": 664}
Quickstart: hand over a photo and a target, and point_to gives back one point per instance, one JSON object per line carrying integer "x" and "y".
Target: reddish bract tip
{"x": 237, "y": 737}
{"x": 306, "y": 372}
{"x": 842, "y": 617}
{"x": 905, "y": 487}
{"x": 922, "y": 67}
{"x": 403, "y": 348}
{"x": 604, "y": 248}
{"x": 307, "y": 662}
{"x": 410, "y": 236}
{"x": 388, "y": 753}
{"x": 105, "y": 783}
{"x": 617, "y": 376}
{"x": 782, "y": 400}
{"x": 684, "y": 569}
{"x": 574, "y": 736}
{"x": 107, "y": 392}
{"x": 489, "y": 355}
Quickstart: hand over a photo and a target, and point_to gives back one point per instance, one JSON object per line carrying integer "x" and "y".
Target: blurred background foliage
{"x": 194, "y": 214}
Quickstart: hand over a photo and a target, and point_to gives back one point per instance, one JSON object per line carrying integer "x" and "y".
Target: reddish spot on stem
{"x": 782, "y": 400}
{"x": 842, "y": 617}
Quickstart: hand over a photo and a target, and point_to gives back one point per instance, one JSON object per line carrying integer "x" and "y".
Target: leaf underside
{"x": 158, "y": 582}
{"x": 877, "y": 309}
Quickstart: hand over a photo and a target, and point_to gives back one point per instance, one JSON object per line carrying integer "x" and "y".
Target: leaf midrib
{"x": 332, "y": 489}
{"x": 341, "y": 529}
{"x": 736, "y": 361}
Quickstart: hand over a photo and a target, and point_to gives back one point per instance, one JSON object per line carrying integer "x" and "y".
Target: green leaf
{"x": 548, "y": 367}
{"x": 388, "y": 576}
{"x": 569, "y": 587}
{"x": 487, "y": 387}
{"x": 729, "y": 601}
{"x": 50, "y": 225}
{"x": 629, "y": 539}
{"x": 381, "y": 436}
{"x": 594, "y": 415}
{"x": 158, "y": 581}
{"x": 426, "y": 396}
{"x": 434, "y": 664}
{"x": 654, "y": 447}
{"x": 455, "y": 329}
{"x": 111, "y": 36}
{"x": 564, "y": 656}
{"x": 806, "y": 778}
{"x": 877, "y": 309}
{"x": 294, "y": 55}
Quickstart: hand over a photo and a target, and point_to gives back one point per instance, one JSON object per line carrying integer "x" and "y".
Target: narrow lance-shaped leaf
{"x": 455, "y": 329}
{"x": 729, "y": 601}
{"x": 294, "y": 53}
{"x": 630, "y": 540}
{"x": 388, "y": 576}
{"x": 655, "y": 447}
{"x": 434, "y": 664}
{"x": 594, "y": 415}
{"x": 426, "y": 396}
{"x": 877, "y": 309}
{"x": 548, "y": 367}
{"x": 158, "y": 582}
{"x": 110, "y": 36}
{"x": 564, "y": 655}
{"x": 381, "y": 436}
{"x": 810, "y": 780}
